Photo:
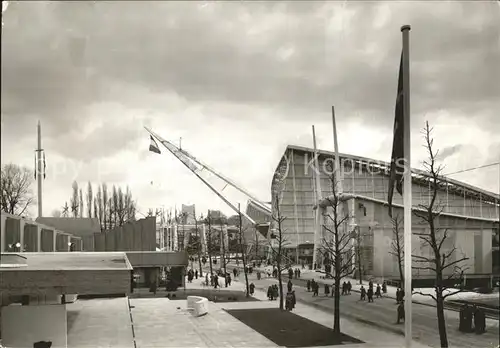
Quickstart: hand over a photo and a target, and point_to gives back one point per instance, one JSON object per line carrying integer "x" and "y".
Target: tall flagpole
{"x": 407, "y": 200}
{"x": 40, "y": 172}
{"x": 317, "y": 230}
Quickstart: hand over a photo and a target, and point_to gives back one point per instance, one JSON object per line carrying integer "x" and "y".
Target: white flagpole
{"x": 317, "y": 230}
{"x": 407, "y": 199}
{"x": 339, "y": 178}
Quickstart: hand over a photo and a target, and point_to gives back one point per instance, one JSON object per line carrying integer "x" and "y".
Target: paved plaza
{"x": 160, "y": 322}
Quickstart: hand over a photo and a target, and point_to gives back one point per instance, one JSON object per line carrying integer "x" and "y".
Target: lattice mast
{"x": 190, "y": 162}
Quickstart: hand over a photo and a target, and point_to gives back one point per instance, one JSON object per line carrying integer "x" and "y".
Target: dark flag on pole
{"x": 153, "y": 147}
{"x": 44, "y": 166}
{"x": 397, "y": 159}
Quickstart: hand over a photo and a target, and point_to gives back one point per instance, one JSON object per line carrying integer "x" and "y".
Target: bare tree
{"x": 110, "y": 213}
{"x": 359, "y": 254}
{"x": 278, "y": 244}
{"x": 96, "y": 208}
{"x": 336, "y": 245}
{"x": 224, "y": 260}
{"x": 100, "y": 207}
{"x": 16, "y": 195}
{"x": 121, "y": 207}
{"x": 65, "y": 210}
{"x": 104, "y": 202}
{"x": 115, "y": 208}
{"x": 90, "y": 199}
{"x": 242, "y": 245}
{"x": 199, "y": 243}
{"x": 442, "y": 262}
{"x": 397, "y": 246}
{"x": 208, "y": 221}
{"x": 74, "y": 199}
{"x": 80, "y": 204}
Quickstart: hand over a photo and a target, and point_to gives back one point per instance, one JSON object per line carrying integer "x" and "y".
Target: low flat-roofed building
{"x": 37, "y": 280}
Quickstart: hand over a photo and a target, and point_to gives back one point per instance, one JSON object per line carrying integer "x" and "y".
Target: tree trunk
{"x": 244, "y": 267}
{"x": 280, "y": 284}
{"x": 336, "y": 289}
{"x": 210, "y": 262}
{"x": 336, "y": 309}
{"x": 401, "y": 273}
{"x": 443, "y": 337}
{"x": 198, "y": 249}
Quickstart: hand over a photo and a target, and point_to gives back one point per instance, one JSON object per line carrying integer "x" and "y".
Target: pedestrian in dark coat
{"x": 315, "y": 288}
{"x": 479, "y": 321}
{"x": 468, "y": 315}
{"x": 196, "y": 274}
{"x": 289, "y": 285}
{"x": 384, "y": 287}
{"x": 234, "y": 272}
{"x": 270, "y": 292}
{"x": 327, "y": 290}
{"x": 461, "y": 318}
{"x": 308, "y": 284}
{"x": 363, "y": 293}
{"x": 401, "y": 312}
{"x": 349, "y": 287}
{"x": 370, "y": 294}
{"x": 398, "y": 295}
{"x": 377, "y": 291}
{"x": 251, "y": 288}
{"x": 290, "y": 273}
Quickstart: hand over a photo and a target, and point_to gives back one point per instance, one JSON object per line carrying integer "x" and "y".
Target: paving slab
{"x": 99, "y": 323}
{"x": 160, "y": 322}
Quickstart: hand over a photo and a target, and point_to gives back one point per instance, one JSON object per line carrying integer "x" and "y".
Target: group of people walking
{"x": 369, "y": 294}
{"x": 468, "y": 315}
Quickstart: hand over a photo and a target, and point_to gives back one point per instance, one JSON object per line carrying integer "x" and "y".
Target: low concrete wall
{"x": 24, "y": 325}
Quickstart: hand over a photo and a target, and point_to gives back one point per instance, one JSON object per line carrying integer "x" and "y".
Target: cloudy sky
{"x": 238, "y": 81}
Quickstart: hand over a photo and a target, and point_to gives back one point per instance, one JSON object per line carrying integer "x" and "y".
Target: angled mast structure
{"x": 196, "y": 166}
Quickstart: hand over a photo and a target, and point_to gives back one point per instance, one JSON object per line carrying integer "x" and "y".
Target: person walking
{"x": 370, "y": 294}
{"x": 289, "y": 285}
{"x": 251, "y": 288}
{"x": 377, "y": 291}
{"x": 315, "y": 287}
{"x": 349, "y": 287}
{"x": 327, "y": 290}
{"x": 363, "y": 293}
{"x": 401, "y": 312}
{"x": 384, "y": 287}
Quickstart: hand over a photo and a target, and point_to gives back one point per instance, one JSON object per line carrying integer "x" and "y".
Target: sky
{"x": 238, "y": 81}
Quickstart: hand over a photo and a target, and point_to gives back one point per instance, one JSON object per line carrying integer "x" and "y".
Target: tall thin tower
{"x": 39, "y": 172}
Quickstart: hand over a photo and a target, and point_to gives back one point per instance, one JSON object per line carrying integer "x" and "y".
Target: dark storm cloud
{"x": 230, "y": 52}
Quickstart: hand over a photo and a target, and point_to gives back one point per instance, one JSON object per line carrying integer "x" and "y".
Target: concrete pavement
{"x": 382, "y": 314}
{"x": 373, "y": 337}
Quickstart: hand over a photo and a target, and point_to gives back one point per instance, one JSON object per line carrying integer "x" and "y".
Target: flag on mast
{"x": 397, "y": 158}
{"x": 44, "y": 166}
{"x": 153, "y": 147}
